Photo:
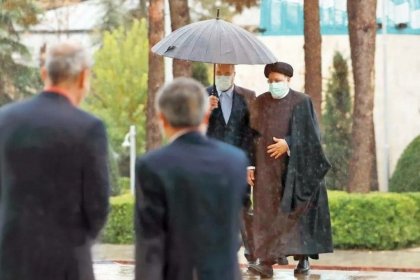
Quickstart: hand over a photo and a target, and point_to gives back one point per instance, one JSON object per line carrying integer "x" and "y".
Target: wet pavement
{"x": 115, "y": 262}
{"x": 114, "y": 271}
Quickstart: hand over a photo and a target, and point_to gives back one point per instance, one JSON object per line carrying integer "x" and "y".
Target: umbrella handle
{"x": 214, "y": 90}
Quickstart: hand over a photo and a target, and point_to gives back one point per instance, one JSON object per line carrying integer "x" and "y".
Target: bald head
{"x": 225, "y": 69}
{"x": 65, "y": 61}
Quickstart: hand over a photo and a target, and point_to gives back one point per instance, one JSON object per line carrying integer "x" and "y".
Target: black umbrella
{"x": 214, "y": 41}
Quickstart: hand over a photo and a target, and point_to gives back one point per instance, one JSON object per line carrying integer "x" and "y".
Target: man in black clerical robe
{"x": 291, "y": 214}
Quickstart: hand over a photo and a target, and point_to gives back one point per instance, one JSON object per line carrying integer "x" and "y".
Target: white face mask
{"x": 223, "y": 83}
{"x": 278, "y": 90}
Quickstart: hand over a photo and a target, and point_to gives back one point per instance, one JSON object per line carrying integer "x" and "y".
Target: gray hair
{"x": 183, "y": 102}
{"x": 65, "y": 61}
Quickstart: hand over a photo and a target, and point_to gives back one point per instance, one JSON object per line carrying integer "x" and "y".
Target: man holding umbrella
{"x": 230, "y": 122}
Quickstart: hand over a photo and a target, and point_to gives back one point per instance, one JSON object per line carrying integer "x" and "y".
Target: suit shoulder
{"x": 87, "y": 119}
{"x": 86, "y": 115}
{"x": 14, "y": 106}
{"x": 229, "y": 151}
{"x": 152, "y": 157}
{"x": 244, "y": 91}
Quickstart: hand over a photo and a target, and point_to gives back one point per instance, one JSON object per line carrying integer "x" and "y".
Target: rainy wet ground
{"x": 114, "y": 262}
{"x": 114, "y": 271}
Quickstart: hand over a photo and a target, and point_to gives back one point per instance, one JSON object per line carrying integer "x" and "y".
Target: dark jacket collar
{"x": 192, "y": 137}
{"x": 55, "y": 95}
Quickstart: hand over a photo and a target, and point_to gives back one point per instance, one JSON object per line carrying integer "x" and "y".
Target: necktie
{"x": 226, "y": 103}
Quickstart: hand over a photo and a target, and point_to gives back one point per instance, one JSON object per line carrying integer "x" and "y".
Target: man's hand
{"x": 214, "y": 102}
{"x": 251, "y": 177}
{"x": 278, "y": 148}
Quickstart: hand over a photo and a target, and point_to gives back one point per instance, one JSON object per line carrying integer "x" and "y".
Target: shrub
{"x": 124, "y": 183}
{"x": 337, "y": 121}
{"x": 406, "y": 177}
{"x": 416, "y": 198}
{"x": 119, "y": 228}
{"x": 376, "y": 221}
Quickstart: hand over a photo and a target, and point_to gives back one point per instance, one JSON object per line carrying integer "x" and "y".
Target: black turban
{"x": 279, "y": 67}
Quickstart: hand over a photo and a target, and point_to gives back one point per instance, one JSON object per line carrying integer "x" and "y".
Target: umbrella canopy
{"x": 214, "y": 41}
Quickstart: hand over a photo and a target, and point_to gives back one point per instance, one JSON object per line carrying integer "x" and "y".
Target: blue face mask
{"x": 278, "y": 90}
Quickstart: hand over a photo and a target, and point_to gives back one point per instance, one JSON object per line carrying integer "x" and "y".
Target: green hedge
{"x": 376, "y": 221}
{"x": 406, "y": 177}
{"x": 119, "y": 228}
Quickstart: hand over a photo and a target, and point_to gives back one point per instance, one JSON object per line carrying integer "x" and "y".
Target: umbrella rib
{"x": 181, "y": 39}
{"x": 253, "y": 43}
{"x": 233, "y": 44}
{"x": 208, "y": 43}
{"x": 240, "y": 35}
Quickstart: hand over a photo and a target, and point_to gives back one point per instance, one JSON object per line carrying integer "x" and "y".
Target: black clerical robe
{"x": 290, "y": 200}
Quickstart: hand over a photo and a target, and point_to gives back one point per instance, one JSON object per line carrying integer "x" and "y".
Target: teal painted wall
{"x": 285, "y": 17}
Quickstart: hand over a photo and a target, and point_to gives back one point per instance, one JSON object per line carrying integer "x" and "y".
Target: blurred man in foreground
{"x": 53, "y": 175}
{"x": 188, "y": 195}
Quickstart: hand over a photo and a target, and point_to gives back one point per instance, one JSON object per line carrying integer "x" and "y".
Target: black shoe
{"x": 282, "y": 261}
{"x": 263, "y": 269}
{"x": 303, "y": 266}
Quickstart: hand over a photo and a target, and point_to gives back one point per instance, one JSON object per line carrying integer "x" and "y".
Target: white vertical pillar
{"x": 385, "y": 165}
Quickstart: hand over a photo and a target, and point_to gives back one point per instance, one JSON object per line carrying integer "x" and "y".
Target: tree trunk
{"x": 180, "y": 16}
{"x": 312, "y": 47}
{"x": 362, "y": 30}
{"x": 156, "y": 73}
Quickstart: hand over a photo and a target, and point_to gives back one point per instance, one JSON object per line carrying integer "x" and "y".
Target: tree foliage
{"x": 200, "y": 73}
{"x": 337, "y": 120}
{"x": 16, "y": 79}
{"x": 116, "y": 15}
{"x": 119, "y": 85}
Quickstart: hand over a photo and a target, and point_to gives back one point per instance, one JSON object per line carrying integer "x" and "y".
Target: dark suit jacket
{"x": 53, "y": 189}
{"x": 237, "y": 131}
{"x": 188, "y": 198}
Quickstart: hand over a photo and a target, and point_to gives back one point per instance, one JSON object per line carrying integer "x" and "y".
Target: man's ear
{"x": 162, "y": 119}
{"x": 44, "y": 74}
{"x": 83, "y": 78}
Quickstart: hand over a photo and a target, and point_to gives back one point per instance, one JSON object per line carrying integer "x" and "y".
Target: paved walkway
{"x": 113, "y": 271}
{"x": 115, "y": 262}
